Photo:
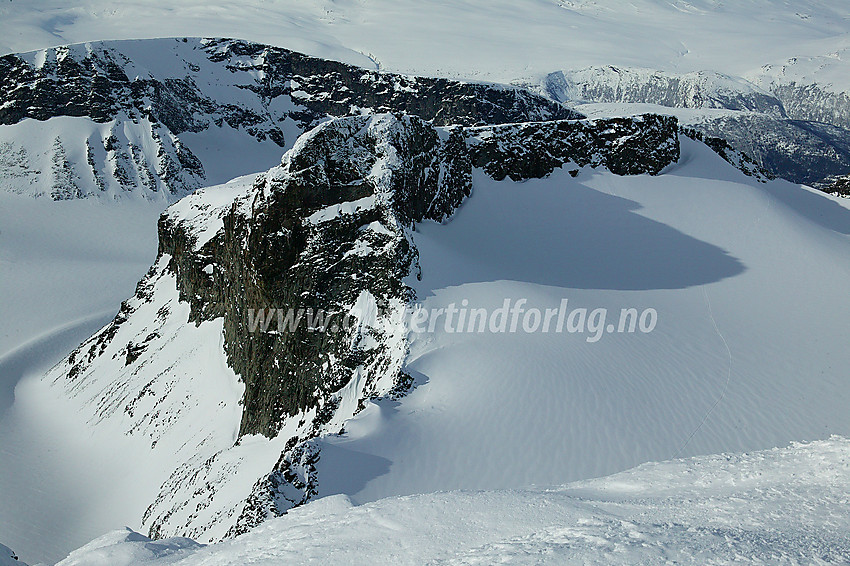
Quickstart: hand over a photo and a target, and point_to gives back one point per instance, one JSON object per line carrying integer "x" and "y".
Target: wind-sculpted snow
{"x": 782, "y": 506}
{"x": 160, "y": 118}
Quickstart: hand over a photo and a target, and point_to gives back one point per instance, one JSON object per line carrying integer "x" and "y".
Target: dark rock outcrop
{"x": 837, "y": 186}
{"x": 625, "y": 146}
{"x": 278, "y": 258}
{"x": 148, "y": 123}
{"x": 296, "y": 250}
{"x": 796, "y": 150}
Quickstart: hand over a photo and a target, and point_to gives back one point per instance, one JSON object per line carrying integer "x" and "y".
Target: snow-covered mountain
{"x": 158, "y": 119}
{"x": 642, "y": 159}
{"x": 328, "y": 229}
{"x": 220, "y": 428}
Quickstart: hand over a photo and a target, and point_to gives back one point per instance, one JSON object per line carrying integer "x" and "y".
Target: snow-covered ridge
{"x": 159, "y": 118}
{"x": 778, "y": 506}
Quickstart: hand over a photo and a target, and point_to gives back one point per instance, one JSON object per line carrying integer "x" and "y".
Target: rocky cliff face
{"x": 330, "y": 224}
{"x": 324, "y": 228}
{"x": 797, "y": 150}
{"x": 625, "y": 146}
{"x": 143, "y": 115}
{"x": 328, "y": 230}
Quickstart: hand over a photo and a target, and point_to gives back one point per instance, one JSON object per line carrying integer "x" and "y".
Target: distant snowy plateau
{"x": 161, "y": 184}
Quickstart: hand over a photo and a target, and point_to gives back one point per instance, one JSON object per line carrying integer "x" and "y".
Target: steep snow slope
{"x": 783, "y": 506}
{"x": 60, "y": 474}
{"x": 66, "y": 158}
{"x": 745, "y": 277}
{"x": 157, "y": 119}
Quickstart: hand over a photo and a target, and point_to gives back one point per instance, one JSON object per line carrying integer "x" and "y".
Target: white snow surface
{"x": 499, "y": 40}
{"x": 782, "y": 506}
{"x": 98, "y": 450}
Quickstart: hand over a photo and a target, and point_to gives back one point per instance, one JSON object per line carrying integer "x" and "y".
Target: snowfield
{"x": 781, "y": 506}
{"x": 66, "y": 267}
{"x": 737, "y": 360}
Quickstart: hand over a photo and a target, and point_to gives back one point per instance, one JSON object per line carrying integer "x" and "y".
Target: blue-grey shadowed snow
{"x": 581, "y": 239}
{"x": 56, "y": 25}
{"x": 345, "y": 471}
{"x": 815, "y": 206}
{"x": 39, "y": 354}
{"x": 809, "y": 203}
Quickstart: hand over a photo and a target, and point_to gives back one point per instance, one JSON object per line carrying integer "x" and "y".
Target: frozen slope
{"x": 748, "y": 283}
{"x": 65, "y": 267}
{"x": 783, "y": 506}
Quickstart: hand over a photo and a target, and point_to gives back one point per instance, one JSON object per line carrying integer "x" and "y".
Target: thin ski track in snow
{"x": 725, "y": 385}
